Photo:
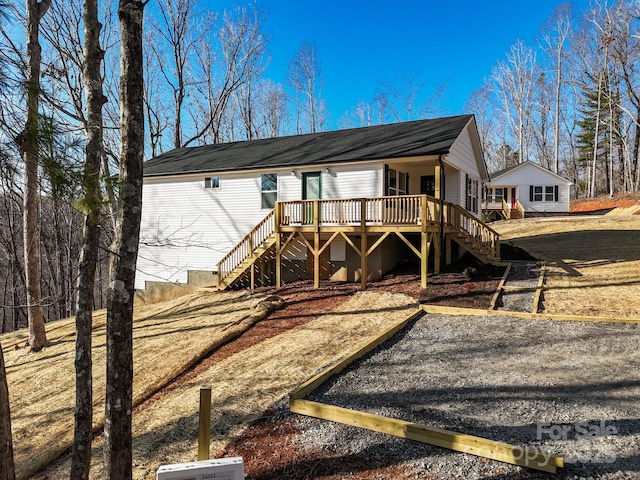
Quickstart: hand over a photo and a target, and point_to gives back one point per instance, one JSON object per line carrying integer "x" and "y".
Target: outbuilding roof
{"x": 398, "y": 140}
{"x": 495, "y": 175}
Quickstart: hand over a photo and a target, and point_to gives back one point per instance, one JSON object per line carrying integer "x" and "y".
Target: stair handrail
{"x": 246, "y": 247}
{"x": 520, "y": 208}
{"x": 469, "y": 224}
{"x": 506, "y": 209}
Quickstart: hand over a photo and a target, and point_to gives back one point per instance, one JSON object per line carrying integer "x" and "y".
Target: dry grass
{"x": 168, "y": 337}
{"x": 247, "y": 383}
{"x": 593, "y": 262}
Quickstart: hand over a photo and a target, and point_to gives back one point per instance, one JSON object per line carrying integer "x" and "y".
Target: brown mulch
{"x": 304, "y": 303}
{"x": 270, "y": 452}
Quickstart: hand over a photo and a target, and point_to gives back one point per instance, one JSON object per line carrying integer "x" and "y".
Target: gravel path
{"x": 571, "y": 388}
{"x": 523, "y": 278}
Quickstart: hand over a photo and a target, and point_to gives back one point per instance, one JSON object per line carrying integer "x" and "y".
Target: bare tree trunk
{"x": 7, "y": 467}
{"x": 28, "y": 143}
{"x": 93, "y": 56}
{"x": 118, "y": 404}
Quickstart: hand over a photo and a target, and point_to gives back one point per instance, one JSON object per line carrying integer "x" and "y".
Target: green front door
{"x": 311, "y": 190}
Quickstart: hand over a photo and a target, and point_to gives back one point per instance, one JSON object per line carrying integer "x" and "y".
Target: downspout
{"x": 443, "y": 246}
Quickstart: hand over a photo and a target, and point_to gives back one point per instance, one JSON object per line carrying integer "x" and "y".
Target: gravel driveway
{"x": 571, "y": 388}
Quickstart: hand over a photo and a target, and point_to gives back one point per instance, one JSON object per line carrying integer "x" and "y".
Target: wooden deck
{"x": 355, "y": 220}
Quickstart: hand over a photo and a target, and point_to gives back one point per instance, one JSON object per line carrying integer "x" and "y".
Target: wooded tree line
{"x": 571, "y": 101}
{"x": 77, "y": 117}
{"x": 204, "y": 83}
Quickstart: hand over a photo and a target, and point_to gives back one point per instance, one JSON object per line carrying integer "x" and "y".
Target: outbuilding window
{"x": 543, "y": 193}
{"x": 269, "y": 189}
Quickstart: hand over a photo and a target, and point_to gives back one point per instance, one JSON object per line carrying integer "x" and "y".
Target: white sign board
{"x": 218, "y": 469}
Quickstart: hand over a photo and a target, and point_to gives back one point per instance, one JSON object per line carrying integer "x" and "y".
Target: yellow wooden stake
{"x": 204, "y": 424}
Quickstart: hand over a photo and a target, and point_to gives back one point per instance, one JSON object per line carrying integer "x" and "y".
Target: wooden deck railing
{"x": 406, "y": 209}
{"x": 419, "y": 210}
{"x": 464, "y": 221}
{"x": 506, "y": 209}
{"x": 245, "y": 248}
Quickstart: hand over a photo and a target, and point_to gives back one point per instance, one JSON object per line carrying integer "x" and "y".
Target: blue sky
{"x": 362, "y": 42}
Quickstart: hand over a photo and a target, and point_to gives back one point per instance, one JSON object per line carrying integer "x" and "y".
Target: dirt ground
{"x": 269, "y": 446}
{"x": 606, "y": 204}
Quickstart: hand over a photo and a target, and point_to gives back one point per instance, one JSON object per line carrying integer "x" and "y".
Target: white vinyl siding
{"x": 340, "y": 182}
{"x": 543, "y": 182}
{"x": 186, "y": 226}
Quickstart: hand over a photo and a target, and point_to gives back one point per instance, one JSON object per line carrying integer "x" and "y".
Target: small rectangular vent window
{"x": 212, "y": 182}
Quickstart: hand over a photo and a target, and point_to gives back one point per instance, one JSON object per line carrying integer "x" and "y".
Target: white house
{"x": 525, "y": 189}
{"x": 200, "y": 202}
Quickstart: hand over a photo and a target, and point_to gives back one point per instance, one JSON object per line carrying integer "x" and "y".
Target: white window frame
{"x": 538, "y": 193}
{"x": 212, "y": 183}
{"x": 268, "y": 197}
{"x": 549, "y": 190}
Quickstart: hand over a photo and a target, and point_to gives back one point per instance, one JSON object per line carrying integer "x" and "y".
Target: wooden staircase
{"x": 253, "y": 247}
{"x": 477, "y": 249}
{"x": 260, "y": 244}
{"x": 512, "y": 213}
{"x": 473, "y": 235}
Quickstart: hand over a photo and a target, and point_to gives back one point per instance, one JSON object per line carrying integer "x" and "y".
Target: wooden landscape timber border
{"x": 535, "y": 316}
{"x": 482, "y": 447}
{"x": 502, "y": 288}
{"x": 536, "y": 299}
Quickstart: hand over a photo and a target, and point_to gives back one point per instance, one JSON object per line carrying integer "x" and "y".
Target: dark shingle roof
{"x": 408, "y": 139}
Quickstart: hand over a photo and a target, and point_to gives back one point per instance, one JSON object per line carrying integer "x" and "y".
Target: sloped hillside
{"x": 628, "y": 204}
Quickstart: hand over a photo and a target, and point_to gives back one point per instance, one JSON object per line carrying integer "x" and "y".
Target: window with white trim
{"x": 543, "y": 193}
{"x": 269, "y": 190}
{"x": 549, "y": 193}
{"x": 472, "y": 194}
{"x": 397, "y": 182}
{"x": 212, "y": 182}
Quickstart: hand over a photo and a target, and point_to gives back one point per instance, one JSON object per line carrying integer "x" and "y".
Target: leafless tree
{"x": 119, "y": 378}
{"x": 176, "y": 32}
{"x": 272, "y": 109}
{"x": 556, "y": 34}
{"x": 305, "y": 77}
{"x": 514, "y": 81}
{"x": 28, "y": 143}
{"x": 7, "y": 466}
{"x": 241, "y": 45}
{"x": 93, "y": 56}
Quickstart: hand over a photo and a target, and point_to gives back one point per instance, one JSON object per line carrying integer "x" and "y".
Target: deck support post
{"x": 363, "y": 244}
{"x": 424, "y": 259}
{"x": 316, "y": 260}
{"x": 437, "y": 254}
{"x": 278, "y": 260}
